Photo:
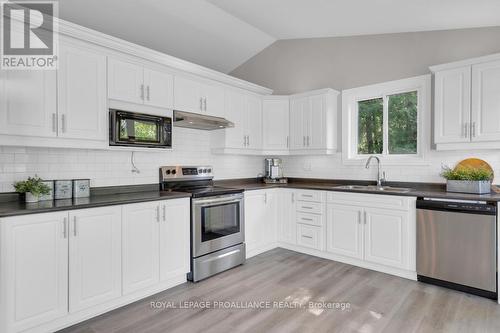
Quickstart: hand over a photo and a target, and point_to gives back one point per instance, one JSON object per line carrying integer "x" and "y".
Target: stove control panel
{"x": 185, "y": 172}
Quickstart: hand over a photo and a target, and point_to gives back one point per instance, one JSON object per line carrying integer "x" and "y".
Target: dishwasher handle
{"x": 488, "y": 208}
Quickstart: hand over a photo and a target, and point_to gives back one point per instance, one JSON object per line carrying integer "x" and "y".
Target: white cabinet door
{"x": 276, "y": 124}
{"x": 235, "y": 108}
{"x": 187, "y": 95}
{"x": 452, "y": 105}
{"x": 287, "y": 229}
{"x": 260, "y": 216}
{"x": 125, "y": 81}
{"x": 344, "y": 230}
{"x": 316, "y": 122}
{"x": 81, "y": 83}
{"x": 140, "y": 244}
{"x": 28, "y": 103}
{"x": 95, "y": 257}
{"x": 34, "y": 274}
{"x": 386, "y": 237}
{"x": 159, "y": 89}
{"x": 213, "y": 100}
{"x": 175, "y": 238}
{"x": 253, "y": 122}
{"x": 486, "y": 102}
{"x": 298, "y": 123}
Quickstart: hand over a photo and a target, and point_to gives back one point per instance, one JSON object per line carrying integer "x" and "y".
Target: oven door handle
{"x": 209, "y": 202}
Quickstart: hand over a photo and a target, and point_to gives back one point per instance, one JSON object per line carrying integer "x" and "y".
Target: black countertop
{"x": 428, "y": 190}
{"x": 11, "y": 205}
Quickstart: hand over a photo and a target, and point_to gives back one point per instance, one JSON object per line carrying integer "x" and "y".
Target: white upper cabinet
{"x": 467, "y": 104}
{"x": 95, "y": 256}
{"x": 275, "y": 123}
{"x": 313, "y": 122}
{"x": 159, "y": 88}
{"x": 28, "y": 103}
{"x": 452, "y": 105}
{"x": 253, "y": 123}
{"x": 81, "y": 84}
{"x": 244, "y": 110}
{"x": 486, "y": 102}
{"x": 195, "y": 96}
{"x": 136, "y": 83}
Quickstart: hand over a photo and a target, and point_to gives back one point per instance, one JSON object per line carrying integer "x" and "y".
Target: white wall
{"x": 109, "y": 168}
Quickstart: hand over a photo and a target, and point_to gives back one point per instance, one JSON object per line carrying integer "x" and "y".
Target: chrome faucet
{"x": 380, "y": 178}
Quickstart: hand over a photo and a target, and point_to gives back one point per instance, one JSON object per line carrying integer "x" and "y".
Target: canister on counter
{"x": 50, "y": 195}
{"x": 81, "y": 188}
{"x": 63, "y": 189}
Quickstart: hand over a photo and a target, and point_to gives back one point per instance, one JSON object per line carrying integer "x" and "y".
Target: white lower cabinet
{"x": 34, "y": 270}
{"x": 310, "y": 236}
{"x": 141, "y": 246}
{"x": 344, "y": 232}
{"x": 287, "y": 229}
{"x": 95, "y": 256}
{"x": 261, "y": 215}
{"x": 377, "y": 229}
{"x": 57, "y": 269}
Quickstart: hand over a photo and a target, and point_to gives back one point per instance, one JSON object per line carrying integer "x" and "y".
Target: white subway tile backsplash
{"x": 110, "y": 168}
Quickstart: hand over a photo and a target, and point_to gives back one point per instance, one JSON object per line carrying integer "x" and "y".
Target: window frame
{"x": 350, "y": 135}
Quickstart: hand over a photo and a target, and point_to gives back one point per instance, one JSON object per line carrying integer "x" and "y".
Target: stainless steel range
{"x": 217, "y": 219}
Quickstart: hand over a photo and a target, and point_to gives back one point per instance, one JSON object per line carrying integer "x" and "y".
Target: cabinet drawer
{"x": 310, "y": 207}
{"x": 309, "y": 236}
{"x": 311, "y": 219}
{"x": 315, "y": 196}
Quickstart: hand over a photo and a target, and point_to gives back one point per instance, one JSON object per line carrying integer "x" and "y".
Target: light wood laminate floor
{"x": 378, "y": 302}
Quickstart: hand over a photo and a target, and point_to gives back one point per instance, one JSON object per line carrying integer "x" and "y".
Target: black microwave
{"x": 131, "y": 129}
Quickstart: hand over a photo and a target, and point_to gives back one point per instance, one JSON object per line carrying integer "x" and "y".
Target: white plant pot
{"x": 32, "y": 198}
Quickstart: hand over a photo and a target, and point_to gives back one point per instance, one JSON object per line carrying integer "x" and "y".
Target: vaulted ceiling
{"x": 222, "y": 34}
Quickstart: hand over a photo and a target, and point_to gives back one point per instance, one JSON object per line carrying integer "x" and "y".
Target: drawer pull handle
{"x": 306, "y": 219}
{"x": 307, "y": 195}
{"x": 307, "y": 207}
{"x": 310, "y": 237}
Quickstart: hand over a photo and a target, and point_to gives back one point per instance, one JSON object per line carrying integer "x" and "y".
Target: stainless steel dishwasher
{"x": 457, "y": 245}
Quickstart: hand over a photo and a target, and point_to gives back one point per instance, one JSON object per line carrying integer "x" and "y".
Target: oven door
{"x": 218, "y": 222}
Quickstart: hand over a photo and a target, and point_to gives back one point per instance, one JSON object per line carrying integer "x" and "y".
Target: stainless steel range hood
{"x": 200, "y": 121}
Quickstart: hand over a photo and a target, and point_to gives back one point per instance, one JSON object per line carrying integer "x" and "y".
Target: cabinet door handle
{"x": 164, "y": 213}
{"x": 308, "y": 141}
{"x": 205, "y": 104}
{"x": 473, "y": 129}
{"x": 359, "y": 217}
{"x": 142, "y": 91}
{"x": 244, "y": 140}
{"x": 158, "y": 213}
{"x": 65, "y": 227}
{"x": 74, "y": 226}
{"x": 54, "y": 123}
{"x": 293, "y": 197}
{"x": 364, "y": 213}
{"x": 248, "y": 140}
{"x": 201, "y": 104}
{"x": 63, "y": 123}
{"x": 265, "y": 198}
{"x": 147, "y": 93}
{"x": 304, "y": 141}
{"x": 287, "y": 141}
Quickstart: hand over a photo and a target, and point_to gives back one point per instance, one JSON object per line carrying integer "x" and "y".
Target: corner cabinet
{"x": 276, "y": 124}
{"x": 57, "y": 269}
{"x": 261, "y": 214}
{"x": 467, "y": 104}
{"x": 313, "y": 122}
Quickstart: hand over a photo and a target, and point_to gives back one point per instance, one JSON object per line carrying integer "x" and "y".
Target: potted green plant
{"x": 33, "y": 188}
{"x": 468, "y": 179}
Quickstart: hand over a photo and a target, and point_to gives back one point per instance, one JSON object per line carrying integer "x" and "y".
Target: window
{"x": 386, "y": 120}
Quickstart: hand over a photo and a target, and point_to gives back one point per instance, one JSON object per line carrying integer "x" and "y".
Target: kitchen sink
{"x": 374, "y": 188}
